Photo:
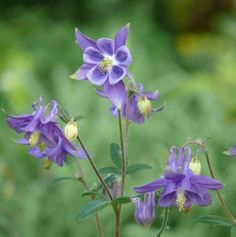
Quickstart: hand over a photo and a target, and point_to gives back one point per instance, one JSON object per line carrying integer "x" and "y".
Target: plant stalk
{"x": 164, "y": 222}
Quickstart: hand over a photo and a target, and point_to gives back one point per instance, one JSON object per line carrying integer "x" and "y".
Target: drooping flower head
{"x": 104, "y": 59}
{"x": 180, "y": 186}
{"x": 138, "y": 104}
{"x": 42, "y": 134}
{"x": 145, "y": 211}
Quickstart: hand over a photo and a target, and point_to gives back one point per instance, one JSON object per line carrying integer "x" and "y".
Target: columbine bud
{"x": 195, "y": 166}
{"x": 71, "y": 131}
{"x": 145, "y": 212}
{"x": 144, "y": 106}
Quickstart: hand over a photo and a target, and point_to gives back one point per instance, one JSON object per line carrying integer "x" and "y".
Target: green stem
{"x": 66, "y": 120}
{"x": 81, "y": 174}
{"x": 123, "y": 168}
{"x": 222, "y": 202}
{"x": 85, "y": 184}
{"x": 117, "y": 223}
{"x": 164, "y": 222}
{"x": 95, "y": 168}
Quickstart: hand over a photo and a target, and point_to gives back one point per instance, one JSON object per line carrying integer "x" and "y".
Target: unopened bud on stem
{"x": 71, "y": 131}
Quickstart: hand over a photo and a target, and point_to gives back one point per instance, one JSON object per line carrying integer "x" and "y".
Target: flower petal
{"x": 18, "y": 123}
{"x": 123, "y": 56}
{"x": 152, "y": 95}
{"x": 232, "y": 151}
{"x": 106, "y": 45}
{"x": 121, "y": 36}
{"x": 149, "y": 187}
{"x": 92, "y": 56}
{"x": 116, "y": 74}
{"x": 83, "y": 41}
{"x": 206, "y": 182}
{"x": 52, "y": 108}
{"x": 35, "y": 151}
{"x": 80, "y": 74}
{"x": 97, "y": 76}
{"x": 167, "y": 200}
{"x": 116, "y": 93}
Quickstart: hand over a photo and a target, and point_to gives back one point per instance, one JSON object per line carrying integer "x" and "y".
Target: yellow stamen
{"x": 47, "y": 164}
{"x": 105, "y": 64}
{"x": 34, "y": 138}
{"x": 195, "y": 166}
{"x": 180, "y": 199}
{"x": 144, "y": 106}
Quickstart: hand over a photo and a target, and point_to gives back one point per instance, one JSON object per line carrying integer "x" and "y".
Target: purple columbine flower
{"x": 180, "y": 186}
{"x": 42, "y": 133}
{"x": 138, "y": 103}
{"x": 104, "y": 59}
{"x": 145, "y": 211}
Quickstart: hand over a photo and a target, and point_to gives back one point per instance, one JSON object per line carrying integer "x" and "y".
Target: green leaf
{"x": 121, "y": 200}
{"x": 115, "y": 154}
{"x": 214, "y": 220}
{"x": 136, "y": 168}
{"x": 91, "y": 208}
{"x": 233, "y": 231}
{"x": 56, "y": 180}
{"x": 109, "y": 170}
{"x": 92, "y": 193}
{"x": 109, "y": 179}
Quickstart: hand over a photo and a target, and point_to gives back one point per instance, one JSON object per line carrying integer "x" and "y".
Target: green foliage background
{"x": 186, "y": 49}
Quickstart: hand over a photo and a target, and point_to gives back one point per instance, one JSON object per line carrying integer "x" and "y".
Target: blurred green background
{"x": 184, "y": 48}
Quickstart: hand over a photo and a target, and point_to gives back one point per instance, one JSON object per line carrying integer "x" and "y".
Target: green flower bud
{"x": 71, "y": 131}
{"x": 144, "y": 106}
{"x": 195, "y": 166}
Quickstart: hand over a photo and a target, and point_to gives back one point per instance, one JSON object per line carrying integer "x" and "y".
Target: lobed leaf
{"x": 137, "y": 168}
{"x": 91, "y": 208}
{"x": 214, "y": 220}
{"x": 115, "y": 154}
{"x": 109, "y": 170}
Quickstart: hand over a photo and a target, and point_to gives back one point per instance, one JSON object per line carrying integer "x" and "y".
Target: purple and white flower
{"x": 180, "y": 186}
{"x": 145, "y": 211}
{"x": 43, "y": 135}
{"x": 104, "y": 59}
{"x": 138, "y": 104}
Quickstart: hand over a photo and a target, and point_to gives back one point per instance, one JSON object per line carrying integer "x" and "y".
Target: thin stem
{"x": 85, "y": 184}
{"x": 66, "y": 120}
{"x": 123, "y": 170}
{"x": 117, "y": 224}
{"x": 81, "y": 173}
{"x": 222, "y": 202}
{"x": 95, "y": 168}
{"x": 164, "y": 222}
